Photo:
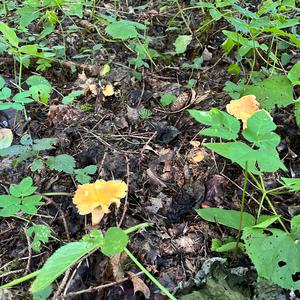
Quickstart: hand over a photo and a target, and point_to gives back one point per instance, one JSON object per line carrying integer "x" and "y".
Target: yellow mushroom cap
{"x": 96, "y": 197}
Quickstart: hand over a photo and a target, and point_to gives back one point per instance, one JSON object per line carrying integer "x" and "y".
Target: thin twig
{"x": 100, "y": 287}
{"x": 29, "y": 253}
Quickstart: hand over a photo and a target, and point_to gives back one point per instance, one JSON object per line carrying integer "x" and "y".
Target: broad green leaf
{"x": 59, "y": 262}
{"x": 275, "y": 255}
{"x": 9, "y": 34}
{"x": 23, "y": 97}
{"x": 13, "y": 150}
{"x": 274, "y": 91}
{"x": 124, "y": 30}
{"x": 40, "y": 234}
{"x": 262, "y": 160}
{"x": 44, "y": 294}
{"x": 259, "y": 130}
{"x": 71, "y": 97}
{"x": 61, "y": 163}
{"x": 27, "y": 15}
{"x": 40, "y": 88}
{"x": 167, "y": 99}
{"x": 230, "y": 218}
{"x": 23, "y": 189}
{"x": 115, "y": 240}
{"x": 182, "y": 42}
{"x": 222, "y": 124}
{"x": 294, "y": 74}
{"x": 9, "y": 205}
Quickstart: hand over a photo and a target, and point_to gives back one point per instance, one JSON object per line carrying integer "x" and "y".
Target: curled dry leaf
{"x": 243, "y": 108}
{"x": 139, "y": 285}
{"x": 87, "y": 84}
{"x": 6, "y": 138}
{"x": 95, "y": 198}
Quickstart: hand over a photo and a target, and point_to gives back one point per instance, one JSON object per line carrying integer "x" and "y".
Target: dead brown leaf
{"x": 139, "y": 285}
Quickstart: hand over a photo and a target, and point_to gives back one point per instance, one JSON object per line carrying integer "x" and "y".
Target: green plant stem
{"x": 57, "y": 194}
{"x": 137, "y": 227}
{"x": 263, "y": 191}
{"x": 148, "y": 274}
{"x": 242, "y": 206}
{"x": 20, "y": 280}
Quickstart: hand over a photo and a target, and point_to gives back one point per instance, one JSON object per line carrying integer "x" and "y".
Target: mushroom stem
{"x": 97, "y": 215}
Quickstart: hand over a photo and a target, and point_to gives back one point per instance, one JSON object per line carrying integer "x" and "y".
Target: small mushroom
{"x": 95, "y": 198}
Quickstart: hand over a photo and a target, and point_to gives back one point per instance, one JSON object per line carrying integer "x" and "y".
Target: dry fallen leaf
{"x": 243, "y": 108}
{"x": 87, "y": 84}
{"x": 108, "y": 90}
{"x": 6, "y": 138}
{"x": 116, "y": 263}
{"x": 139, "y": 285}
{"x": 95, "y": 198}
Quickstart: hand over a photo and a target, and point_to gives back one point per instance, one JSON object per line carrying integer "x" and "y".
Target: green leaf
{"x": 292, "y": 184}
{"x": 295, "y": 227}
{"x": 59, "y": 262}
{"x": 71, "y": 97}
{"x": 182, "y": 42}
{"x": 44, "y": 144}
{"x": 275, "y": 254}
{"x": 5, "y": 93}
{"x": 274, "y": 91}
{"x": 23, "y": 189}
{"x": 9, "y": 34}
{"x": 167, "y": 99}
{"x": 259, "y": 130}
{"x": 124, "y": 30}
{"x": 23, "y": 97}
{"x": 215, "y": 14}
{"x": 115, "y": 240}
{"x": 230, "y": 218}
{"x": 222, "y": 124}
{"x": 266, "y": 222}
{"x": 61, "y": 163}
{"x": 9, "y": 205}
{"x": 40, "y": 88}
{"x": 29, "y": 49}
{"x": 44, "y": 294}
{"x": 31, "y": 203}
{"x": 36, "y": 165}
{"x": 40, "y": 234}
{"x": 294, "y": 74}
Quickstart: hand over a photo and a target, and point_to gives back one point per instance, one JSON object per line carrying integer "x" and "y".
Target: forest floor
{"x": 129, "y": 135}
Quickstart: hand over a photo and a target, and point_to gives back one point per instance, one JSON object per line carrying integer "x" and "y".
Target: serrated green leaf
{"x": 44, "y": 144}
{"x": 259, "y": 130}
{"x": 40, "y": 234}
{"x": 230, "y": 218}
{"x": 222, "y": 124}
{"x": 31, "y": 203}
{"x": 23, "y": 189}
{"x": 61, "y": 163}
{"x": 36, "y": 165}
{"x": 9, "y": 205}
{"x": 124, "y": 30}
{"x": 115, "y": 240}
{"x": 275, "y": 255}
{"x": 181, "y": 43}
{"x": 274, "y": 91}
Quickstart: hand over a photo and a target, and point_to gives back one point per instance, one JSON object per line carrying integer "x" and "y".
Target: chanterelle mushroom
{"x": 95, "y": 198}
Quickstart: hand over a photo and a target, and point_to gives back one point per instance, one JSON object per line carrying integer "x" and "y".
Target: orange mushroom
{"x": 95, "y": 198}
{"x": 243, "y": 108}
